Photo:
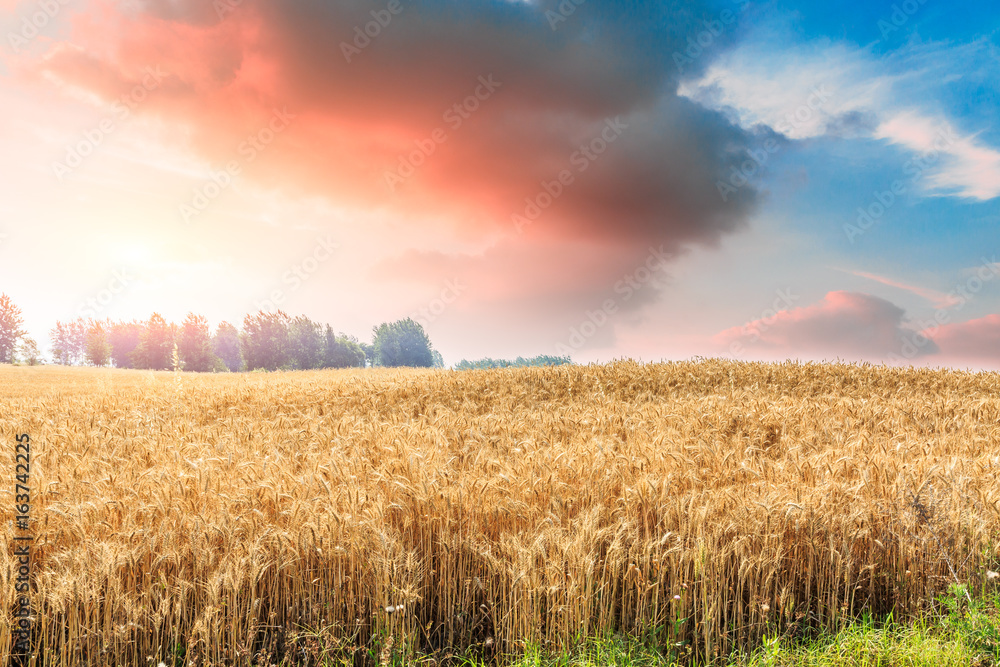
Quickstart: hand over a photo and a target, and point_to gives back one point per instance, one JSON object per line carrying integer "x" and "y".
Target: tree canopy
{"x": 403, "y": 343}
{"x": 156, "y": 344}
{"x": 520, "y": 362}
{"x": 11, "y": 332}
{"x": 267, "y": 341}
{"x": 226, "y": 344}
{"x": 194, "y": 345}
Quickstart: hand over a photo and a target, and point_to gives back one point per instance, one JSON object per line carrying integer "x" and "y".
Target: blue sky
{"x": 900, "y": 75}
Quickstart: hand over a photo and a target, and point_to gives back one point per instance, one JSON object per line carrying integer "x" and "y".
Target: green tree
{"x": 305, "y": 343}
{"x": 226, "y": 345}
{"x": 59, "y": 337}
{"x": 341, "y": 351}
{"x": 98, "y": 349}
{"x": 69, "y": 341}
{"x": 10, "y": 328}
{"x": 124, "y": 338}
{"x": 194, "y": 345}
{"x": 403, "y": 343}
{"x": 29, "y": 352}
{"x": 265, "y": 340}
{"x": 156, "y": 345}
{"x": 78, "y": 340}
{"x": 369, "y": 351}
{"x": 520, "y": 362}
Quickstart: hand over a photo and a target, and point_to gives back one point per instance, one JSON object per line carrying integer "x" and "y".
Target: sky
{"x": 648, "y": 180}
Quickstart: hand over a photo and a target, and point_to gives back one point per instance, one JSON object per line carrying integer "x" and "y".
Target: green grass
{"x": 865, "y": 645}
{"x": 608, "y": 651}
{"x": 963, "y": 633}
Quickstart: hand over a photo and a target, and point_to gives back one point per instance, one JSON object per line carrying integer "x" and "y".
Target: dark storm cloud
{"x": 362, "y": 101}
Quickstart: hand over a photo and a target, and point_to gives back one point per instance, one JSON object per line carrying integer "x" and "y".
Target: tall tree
{"x": 29, "y": 352}
{"x": 265, "y": 340}
{"x": 226, "y": 345}
{"x": 402, "y": 343}
{"x": 156, "y": 345}
{"x": 305, "y": 343}
{"x": 10, "y": 328}
{"x": 341, "y": 351}
{"x": 77, "y": 338}
{"x": 98, "y": 349}
{"x": 59, "y": 337}
{"x": 124, "y": 338}
{"x": 69, "y": 340}
{"x": 194, "y": 345}
{"x": 369, "y": 351}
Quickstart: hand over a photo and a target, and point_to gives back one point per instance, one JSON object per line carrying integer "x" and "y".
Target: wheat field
{"x": 374, "y": 515}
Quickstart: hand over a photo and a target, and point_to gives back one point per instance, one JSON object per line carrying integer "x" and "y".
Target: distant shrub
{"x": 520, "y": 362}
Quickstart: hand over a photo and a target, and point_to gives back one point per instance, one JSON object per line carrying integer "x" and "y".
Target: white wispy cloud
{"x": 827, "y": 88}
{"x": 935, "y": 297}
{"x": 964, "y": 166}
{"x": 802, "y": 92}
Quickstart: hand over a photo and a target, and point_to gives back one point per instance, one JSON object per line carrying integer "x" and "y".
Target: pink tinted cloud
{"x": 355, "y": 122}
{"x": 846, "y": 325}
{"x": 556, "y": 281}
{"x": 973, "y": 342}
{"x": 939, "y": 299}
{"x": 580, "y": 133}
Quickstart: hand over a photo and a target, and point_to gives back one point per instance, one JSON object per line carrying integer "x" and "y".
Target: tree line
{"x": 267, "y": 341}
{"x": 520, "y": 362}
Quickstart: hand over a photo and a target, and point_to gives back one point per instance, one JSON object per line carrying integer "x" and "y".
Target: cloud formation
{"x": 958, "y": 165}
{"x": 845, "y": 325}
{"x": 539, "y": 141}
{"x": 937, "y": 298}
{"x": 838, "y": 89}
{"x": 803, "y": 92}
{"x": 974, "y": 342}
{"x": 366, "y": 106}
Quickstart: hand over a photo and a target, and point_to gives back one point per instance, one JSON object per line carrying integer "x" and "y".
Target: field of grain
{"x": 369, "y": 515}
